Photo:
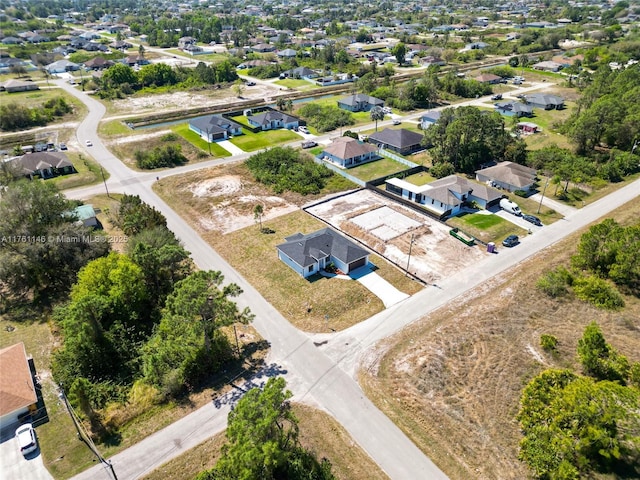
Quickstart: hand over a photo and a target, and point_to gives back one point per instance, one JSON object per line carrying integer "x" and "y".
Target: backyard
{"x": 376, "y": 169}
{"x": 250, "y": 142}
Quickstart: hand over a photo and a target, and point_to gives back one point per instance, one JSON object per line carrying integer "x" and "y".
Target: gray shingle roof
{"x": 401, "y": 138}
{"x": 214, "y": 124}
{"x": 267, "y": 117}
{"x": 353, "y": 100}
{"x": 305, "y": 250}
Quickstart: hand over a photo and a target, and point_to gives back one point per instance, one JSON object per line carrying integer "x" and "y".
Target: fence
{"x": 340, "y": 171}
{"x": 397, "y": 158}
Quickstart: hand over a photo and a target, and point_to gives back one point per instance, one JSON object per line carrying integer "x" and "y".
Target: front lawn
{"x": 376, "y": 169}
{"x": 250, "y": 142}
{"x": 296, "y": 84}
{"x": 88, "y": 173}
{"x": 195, "y": 139}
{"x": 485, "y": 227}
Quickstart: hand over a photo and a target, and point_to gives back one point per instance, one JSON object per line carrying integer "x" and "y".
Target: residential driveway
{"x": 377, "y": 285}
{"x": 519, "y": 221}
{"x": 230, "y": 147}
{"x": 14, "y": 466}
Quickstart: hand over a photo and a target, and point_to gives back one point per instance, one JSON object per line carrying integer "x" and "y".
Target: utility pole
{"x": 105, "y": 182}
{"x": 235, "y": 332}
{"x": 409, "y": 257}
{"x": 542, "y": 197}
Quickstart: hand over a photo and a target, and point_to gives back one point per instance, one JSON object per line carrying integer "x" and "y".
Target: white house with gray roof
{"x": 214, "y": 127}
{"x": 308, "y": 254}
{"x": 272, "y": 119}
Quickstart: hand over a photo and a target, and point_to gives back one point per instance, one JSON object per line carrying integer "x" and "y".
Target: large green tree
{"x": 42, "y": 247}
{"x": 599, "y": 359}
{"x": 263, "y": 440}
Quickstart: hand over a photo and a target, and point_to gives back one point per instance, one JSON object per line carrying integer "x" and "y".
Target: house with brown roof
{"x": 98, "y": 63}
{"x": 13, "y": 85}
{"x": 508, "y": 175}
{"x": 17, "y": 391}
{"x": 489, "y": 78}
{"x": 348, "y": 152}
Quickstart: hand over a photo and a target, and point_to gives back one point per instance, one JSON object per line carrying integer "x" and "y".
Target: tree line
{"x": 14, "y": 116}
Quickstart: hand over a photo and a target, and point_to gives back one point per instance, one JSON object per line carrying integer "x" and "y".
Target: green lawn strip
{"x": 250, "y": 142}
{"x": 296, "y": 84}
{"x": 88, "y": 173}
{"x": 490, "y": 229}
{"x": 377, "y": 169}
{"x": 195, "y": 139}
{"x": 114, "y": 128}
{"x": 242, "y": 120}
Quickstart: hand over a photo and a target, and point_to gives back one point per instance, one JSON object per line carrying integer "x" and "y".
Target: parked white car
{"x": 26, "y": 436}
{"x": 303, "y": 129}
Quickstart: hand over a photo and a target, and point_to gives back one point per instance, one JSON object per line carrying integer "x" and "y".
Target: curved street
{"x": 322, "y": 376}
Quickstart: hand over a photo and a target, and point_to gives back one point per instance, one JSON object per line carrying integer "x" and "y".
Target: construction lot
{"x": 390, "y": 229}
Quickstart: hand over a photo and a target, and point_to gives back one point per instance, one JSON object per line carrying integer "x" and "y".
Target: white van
{"x": 511, "y": 207}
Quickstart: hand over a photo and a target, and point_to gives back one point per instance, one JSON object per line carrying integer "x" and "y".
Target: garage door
{"x": 357, "y": 263}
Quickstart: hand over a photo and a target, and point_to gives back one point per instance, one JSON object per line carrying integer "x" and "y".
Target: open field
{"x": 319, "y": 432}
{"x": 453, "y": 380}
{"x": 296, "y": 84}
{"x": 219, "y": 204}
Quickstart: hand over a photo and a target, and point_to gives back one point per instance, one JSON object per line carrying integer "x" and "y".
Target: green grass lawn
{"x": 376, "y": 169}
{"x": 250, "y": 142}
{"x": 114, "y": 128}
{"x": 488, "y": 228}
{"x": 36, "y": 98}
{"x": 421, "y": 178}
{"x": 88, "y": 173}
{"x": 296, "y": 84}
{"x": 242, "y": 120}
{"x": 195, "y": 139}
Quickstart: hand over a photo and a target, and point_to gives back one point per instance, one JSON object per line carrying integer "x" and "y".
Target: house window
{"x": 432, "y": 201}
{"x": 311, "y": 268}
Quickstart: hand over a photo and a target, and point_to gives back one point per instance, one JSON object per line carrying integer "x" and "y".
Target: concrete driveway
{"x": 14, "y": 466}
{"x": 230, "y": 147}
{"x": 377, "y": 285}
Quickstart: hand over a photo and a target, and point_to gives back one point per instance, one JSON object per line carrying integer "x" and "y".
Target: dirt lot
{"x": 181, "y": 99}
{"x": 453, "y": 380}
{"x": 388, "y": 228}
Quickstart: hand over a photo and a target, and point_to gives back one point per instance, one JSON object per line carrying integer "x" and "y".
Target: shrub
{"x": 442, "y": 169}
{"x": 169, "y": 137}
{"x": 598, "y": 292}
{"x": 548, "y": 342}
{"x": 520, "y": 193}
{"x": 555, "y": 283}
{"x": 168, "y": 156}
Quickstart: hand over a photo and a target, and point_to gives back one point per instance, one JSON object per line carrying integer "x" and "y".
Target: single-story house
{"x": 349, "y": 152}
{"x": 300, "y": 72}
{"x": 287, "y": 53}
{"x": 136, "y": 59}
{"x": 508, "y": 175}
{"x": 360, "y": 103}
{"x": 402, "y": 141}
{"x": 272, "y": 119}
{"x": 432, "y": 60}
{"x": 12, "y": 41}
{"x": 98, "y": 63}
{"x": 121, "y": 45}
{"x": 475, "y": 46}
{"x": 13, "y": 85}
{"x": 489, "y": 78}
{"x": 308, "y": 254}
{"x": 514, "y": 109}
{"x": 527, "y": 127}
{"x": 429, "y": 118}
{"x": 254, "y": 63}
{"x": 445, "y": 196}
{"x": 44, "y": 164}
{"x": 548, "y": 66}
{"x": 214, "y": 127}
{"x": 86, "y": 214}
{"x": 17, "y": 391}
{"x": 62, "y": 66}
{"x": 546, "y": 101}
{"x": 263, "y": 48}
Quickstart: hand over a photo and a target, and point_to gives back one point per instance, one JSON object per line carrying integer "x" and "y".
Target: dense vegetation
{"x": 120, "y": 79}
{"x": 467, "y": 137}
{"x": 262, "y": 431}
{"x": 167, "y": 156}
{"x": 325, "y": 118}
{"x": 287, "y": 169}
{"x": 575, "y": 425}
{"x": 42, "y": 247}
{"x": 608, "y": 255}
{"x": 14, "y": 116}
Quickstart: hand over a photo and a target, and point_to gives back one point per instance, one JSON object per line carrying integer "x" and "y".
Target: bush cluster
{"x": 167, "y": 156}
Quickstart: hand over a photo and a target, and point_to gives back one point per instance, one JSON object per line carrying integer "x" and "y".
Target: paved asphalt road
{"x": 323, "y": 376}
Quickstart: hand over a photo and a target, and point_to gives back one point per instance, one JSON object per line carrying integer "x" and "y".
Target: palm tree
{"x": 376, "y": 114}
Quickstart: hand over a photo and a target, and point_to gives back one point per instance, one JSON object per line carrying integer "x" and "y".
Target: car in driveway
{"x": 309, "y": 144}
{"x": 497, "y": 96}
{"x": 303, "y": 129}
{"x": 26, "y": 436}
{"x": 397, "y": 122}
{"x": 251, "y": 84}
{"x": 511, "y": 241}
{"x": 63, "y": 146}
{"x": 88, "y": 143}
{"x": 532, "y": 219}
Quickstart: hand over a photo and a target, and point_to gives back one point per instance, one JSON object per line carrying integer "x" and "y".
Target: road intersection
{"x": 321, "y": 375}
